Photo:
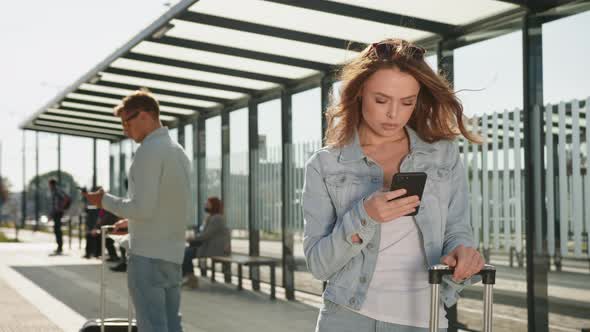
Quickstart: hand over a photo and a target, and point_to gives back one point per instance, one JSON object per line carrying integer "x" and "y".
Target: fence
{"x": 495, "y": 172}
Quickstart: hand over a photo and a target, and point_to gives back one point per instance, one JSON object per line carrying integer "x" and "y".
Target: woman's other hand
{"x": 465, "y": 260}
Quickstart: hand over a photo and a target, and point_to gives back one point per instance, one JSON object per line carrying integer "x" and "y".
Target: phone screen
{"x": 413, "y": 182}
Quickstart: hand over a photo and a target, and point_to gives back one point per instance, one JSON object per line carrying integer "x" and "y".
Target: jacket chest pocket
{"x": 346, "y": 189}
{"x": 435, "y": 199}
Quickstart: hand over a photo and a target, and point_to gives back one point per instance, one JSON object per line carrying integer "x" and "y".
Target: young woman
{"x": 395, "y": 115}
{"x": 214, "y": 239}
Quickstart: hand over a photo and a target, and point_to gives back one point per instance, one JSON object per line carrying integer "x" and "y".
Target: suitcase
{"x": 435, "y": 276}
{"x": 109, "y": 324}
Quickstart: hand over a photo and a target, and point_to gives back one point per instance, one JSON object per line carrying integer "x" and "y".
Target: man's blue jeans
{"x": 154, "y": 285}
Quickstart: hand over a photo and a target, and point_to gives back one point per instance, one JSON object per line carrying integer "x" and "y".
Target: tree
{"x": 68, "y": 185}
{"x": 5, "y": 186}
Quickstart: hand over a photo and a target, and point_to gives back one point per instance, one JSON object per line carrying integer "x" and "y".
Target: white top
{"x": 399, "y": 291}
{"x": 159, "y": 204}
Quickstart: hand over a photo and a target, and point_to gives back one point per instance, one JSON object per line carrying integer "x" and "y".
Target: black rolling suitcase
{"x": 103, "y": 324}
{"x": 435, "y": 274}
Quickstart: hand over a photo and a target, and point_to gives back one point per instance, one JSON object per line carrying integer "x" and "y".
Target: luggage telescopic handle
{"x": 436, "y": 273}
{"x": 435, "y": 276}
{"x": 105, "y": 230}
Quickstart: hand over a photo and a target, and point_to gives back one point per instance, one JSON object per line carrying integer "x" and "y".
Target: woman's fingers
{"x": 478, "y": 262}
{"x": 383, "y": 208}
{"x": 472, "y": 263}
{"x": 389, "y": 195}
{"x": 411, "y": 201}
{"x": 402, "y": 204}
{"x": 394, "y": 214}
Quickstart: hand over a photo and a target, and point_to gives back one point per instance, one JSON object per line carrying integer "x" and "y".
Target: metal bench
{"x": 246, "y": 260}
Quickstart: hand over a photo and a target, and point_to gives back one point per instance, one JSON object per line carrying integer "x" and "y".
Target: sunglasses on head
{"x": 388, "y": 51}
{"x": 125, "y": 119}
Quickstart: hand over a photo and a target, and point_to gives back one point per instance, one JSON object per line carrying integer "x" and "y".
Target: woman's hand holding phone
{"x": 387, "y": 206}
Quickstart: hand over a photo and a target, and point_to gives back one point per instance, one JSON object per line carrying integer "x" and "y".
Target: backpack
{"x": 67, "y": 201}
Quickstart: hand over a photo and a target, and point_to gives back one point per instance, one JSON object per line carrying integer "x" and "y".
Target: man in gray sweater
{"x": 158, "y": 208}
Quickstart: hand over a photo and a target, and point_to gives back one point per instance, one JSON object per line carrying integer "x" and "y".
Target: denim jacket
{"x": 337, "y": 180}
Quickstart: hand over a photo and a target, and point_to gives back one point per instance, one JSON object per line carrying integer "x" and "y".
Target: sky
{"x": 47, "y": 45}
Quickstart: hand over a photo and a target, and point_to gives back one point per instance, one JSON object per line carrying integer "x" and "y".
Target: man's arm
{"x": 146, "y": 172}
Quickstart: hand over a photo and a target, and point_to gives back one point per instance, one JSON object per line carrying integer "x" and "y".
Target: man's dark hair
{"x": 140, "y": 100}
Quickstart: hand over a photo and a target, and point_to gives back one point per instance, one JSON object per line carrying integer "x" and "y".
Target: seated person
{"x": 214, "y": 239}
{"x": 104, "y": 218}
{"x": 123, "y": 246}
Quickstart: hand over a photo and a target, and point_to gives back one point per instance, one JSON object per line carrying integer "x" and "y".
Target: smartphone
{"x": 413, "y": 182}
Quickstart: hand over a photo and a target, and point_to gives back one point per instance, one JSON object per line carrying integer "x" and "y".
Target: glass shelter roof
{"x": 204, "y": 56}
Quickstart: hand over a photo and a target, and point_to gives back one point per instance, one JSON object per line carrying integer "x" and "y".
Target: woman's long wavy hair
{"x": 216, "y": 205}
{"x": 438, "y": 114}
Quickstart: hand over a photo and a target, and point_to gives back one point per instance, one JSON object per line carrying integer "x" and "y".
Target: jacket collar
{"x": 154, "y": 134}
{"x": 354, "y": 152}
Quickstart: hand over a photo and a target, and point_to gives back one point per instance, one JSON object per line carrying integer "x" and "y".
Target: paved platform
{"x": 19, "y": 315}
{"x": 42, "y": 293}
{"x": 62, "y": 292}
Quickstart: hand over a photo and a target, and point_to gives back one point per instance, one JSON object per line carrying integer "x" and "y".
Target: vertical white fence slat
{"x": 517, "y": 178}
{"x": 475, "y": 189}
{"x": 576, "y": 180}
{"x": 485, "y": 184}
{"x": 495, "y": 183}
{"x": 506, "y": 181}
{"x": 549, "y": 187}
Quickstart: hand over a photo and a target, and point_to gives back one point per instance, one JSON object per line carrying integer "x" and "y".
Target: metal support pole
{"x": 111, "y": 169}
{"x": 181, "y": 135}
{"x": 225, "y": 161}
{"x": 24, "y": 178}
{"x": 253, "y": 187}
{"x": 201, "y": 171}
{"x": 558, "y": 260}
{"x": 326, "y": 90}
{"x": 37, "y": 181}
{"x": 59, "y": 159}
{"x": 94, "y": 168}
{"x": 225, "y": 176}
{"x": 535, "y": 214}
{"x": 446, "y": 63}
{"x": 286, "y": 231}
{"x": 196, "y": 181}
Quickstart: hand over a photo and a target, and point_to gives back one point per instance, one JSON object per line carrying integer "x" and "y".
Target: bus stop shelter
{"x": 208, "y": 58}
